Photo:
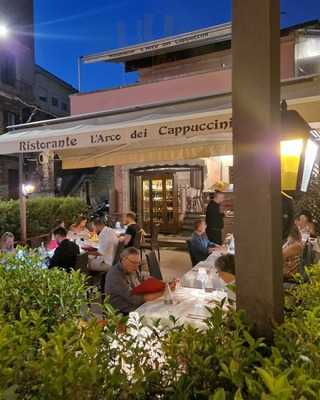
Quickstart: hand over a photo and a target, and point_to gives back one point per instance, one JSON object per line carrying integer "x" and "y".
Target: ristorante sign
{"x": 149, "y": 133}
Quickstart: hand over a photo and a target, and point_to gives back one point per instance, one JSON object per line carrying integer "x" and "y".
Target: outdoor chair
{"x": 302, "y": 271}
{"x": 153, "y": 265}
{"x": 192, "y": 258}
{"x": 119, "y": 250}
{"x": 308, "y": 255}
{"x": 151, "y": 243}
{"x": 139, "y": 239}
{"x": 94, "y": 278}
{"x": 36, "y": 241}
{"x": 82, "y": 263}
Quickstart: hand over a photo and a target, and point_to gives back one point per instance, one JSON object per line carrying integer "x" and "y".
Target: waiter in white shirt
{"x": 102, "y": 259}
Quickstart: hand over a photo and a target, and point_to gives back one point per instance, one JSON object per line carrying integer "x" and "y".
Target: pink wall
{"x": 171, "y": 88}
{"x": 287, "y": 57}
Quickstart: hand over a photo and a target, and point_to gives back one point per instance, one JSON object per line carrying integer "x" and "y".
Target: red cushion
{"x": 150, "y": 285}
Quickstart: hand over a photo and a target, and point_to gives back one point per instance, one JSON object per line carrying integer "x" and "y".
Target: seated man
{"x": 122, "y": 278}
{"x": 201, "y": 246}
{"x": 132, "y": 233}
{"x": 65, "y": 255}
{"x": 102, "y": 259}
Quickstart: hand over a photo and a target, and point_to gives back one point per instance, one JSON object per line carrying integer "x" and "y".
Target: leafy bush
{"x": 47, "y": 351}
{"x": 55, "y": 295}
{"x": 43, "y": 214}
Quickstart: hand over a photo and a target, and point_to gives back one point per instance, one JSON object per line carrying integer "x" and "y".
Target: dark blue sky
{"x": 67, "y": 29}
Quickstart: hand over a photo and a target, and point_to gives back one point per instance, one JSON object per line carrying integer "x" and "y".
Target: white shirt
{"x": 108, "y": 242}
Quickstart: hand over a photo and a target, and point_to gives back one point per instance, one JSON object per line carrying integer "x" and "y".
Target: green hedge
{"x": 43, "y": 214}
{"x": 48, "y": 352}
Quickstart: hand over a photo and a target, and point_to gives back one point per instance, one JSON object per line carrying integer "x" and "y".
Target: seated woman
{"x": 200, "y": 244}
{"x": 79, "y": 230}
{"x": 305, "y": 224}
{"x": 292, "y": 252}
{"x": 7, "y": 243}
{"x": 225, "y": 266}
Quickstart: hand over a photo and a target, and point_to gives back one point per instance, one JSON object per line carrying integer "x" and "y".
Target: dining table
{"x": 204, "y": 273}
{"x": 189, "y": 306}
{"x": 199, "y": 289}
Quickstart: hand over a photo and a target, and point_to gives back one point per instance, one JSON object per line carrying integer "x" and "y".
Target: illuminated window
{"x": 307, "y": 55}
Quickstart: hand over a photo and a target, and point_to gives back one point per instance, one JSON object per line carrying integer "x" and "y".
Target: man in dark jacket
{"x": 65, "y": 255}
{"x": 214, "y": 218}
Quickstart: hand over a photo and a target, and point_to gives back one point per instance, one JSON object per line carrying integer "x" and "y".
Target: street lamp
{"x": 27, "y": 189}
{"x": 299, "y": 151}
{"x": 4, "y": 31}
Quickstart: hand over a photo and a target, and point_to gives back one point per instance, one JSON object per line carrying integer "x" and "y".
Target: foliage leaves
{"x": 48, "y": 350}
{"x": 43, "y": 214}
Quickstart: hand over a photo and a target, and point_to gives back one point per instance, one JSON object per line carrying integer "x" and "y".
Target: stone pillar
{"x": 118, "y": 185}
{"x": 256, "y": 137}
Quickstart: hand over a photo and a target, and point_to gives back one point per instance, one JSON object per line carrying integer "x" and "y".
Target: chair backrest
{"x": 153, "y": 265}
{"x": 138, "y": 239}
{"x": 189, "y": 246}
{"x": 302, "y": 271}
{"x": 308, "y": 255}
{"x": 119, "y": 250}
{"x": 155, "y": 233}
{"x": 82, "y": 263}
{"x": 36, "y": 241}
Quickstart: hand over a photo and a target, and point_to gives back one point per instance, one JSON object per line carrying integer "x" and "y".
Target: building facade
{"x": 192, "y": 65}
{"x": 51, "y": 93}
{"x": 27, "y": 91}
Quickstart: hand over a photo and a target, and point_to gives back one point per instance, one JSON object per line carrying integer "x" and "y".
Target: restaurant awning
{"x": 180, "y": 130}
{"x": 176, "y": 130}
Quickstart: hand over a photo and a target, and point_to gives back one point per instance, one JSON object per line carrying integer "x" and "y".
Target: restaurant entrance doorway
{"x": 159, "y": 202}
{"x": 162, "y": 195}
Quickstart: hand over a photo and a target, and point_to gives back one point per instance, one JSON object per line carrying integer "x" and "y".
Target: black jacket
{"x": 65, "y": 256}
{"x": 214, "y": 218}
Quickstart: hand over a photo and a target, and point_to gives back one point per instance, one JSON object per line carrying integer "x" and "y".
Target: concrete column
{"x": 256, "y": 137}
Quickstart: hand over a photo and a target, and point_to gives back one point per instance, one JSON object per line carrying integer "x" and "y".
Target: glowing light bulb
{"x": 4, "y": 31}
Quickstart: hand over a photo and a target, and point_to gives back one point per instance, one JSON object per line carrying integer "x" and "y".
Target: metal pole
{"x": 23, "y": 203}
{"x": 256, "y": 139}
{"x": 79, "y": 74}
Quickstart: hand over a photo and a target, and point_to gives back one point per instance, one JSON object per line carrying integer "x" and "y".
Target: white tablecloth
{"x": 189, "y": 307}
{"x": 191, "y": 278}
